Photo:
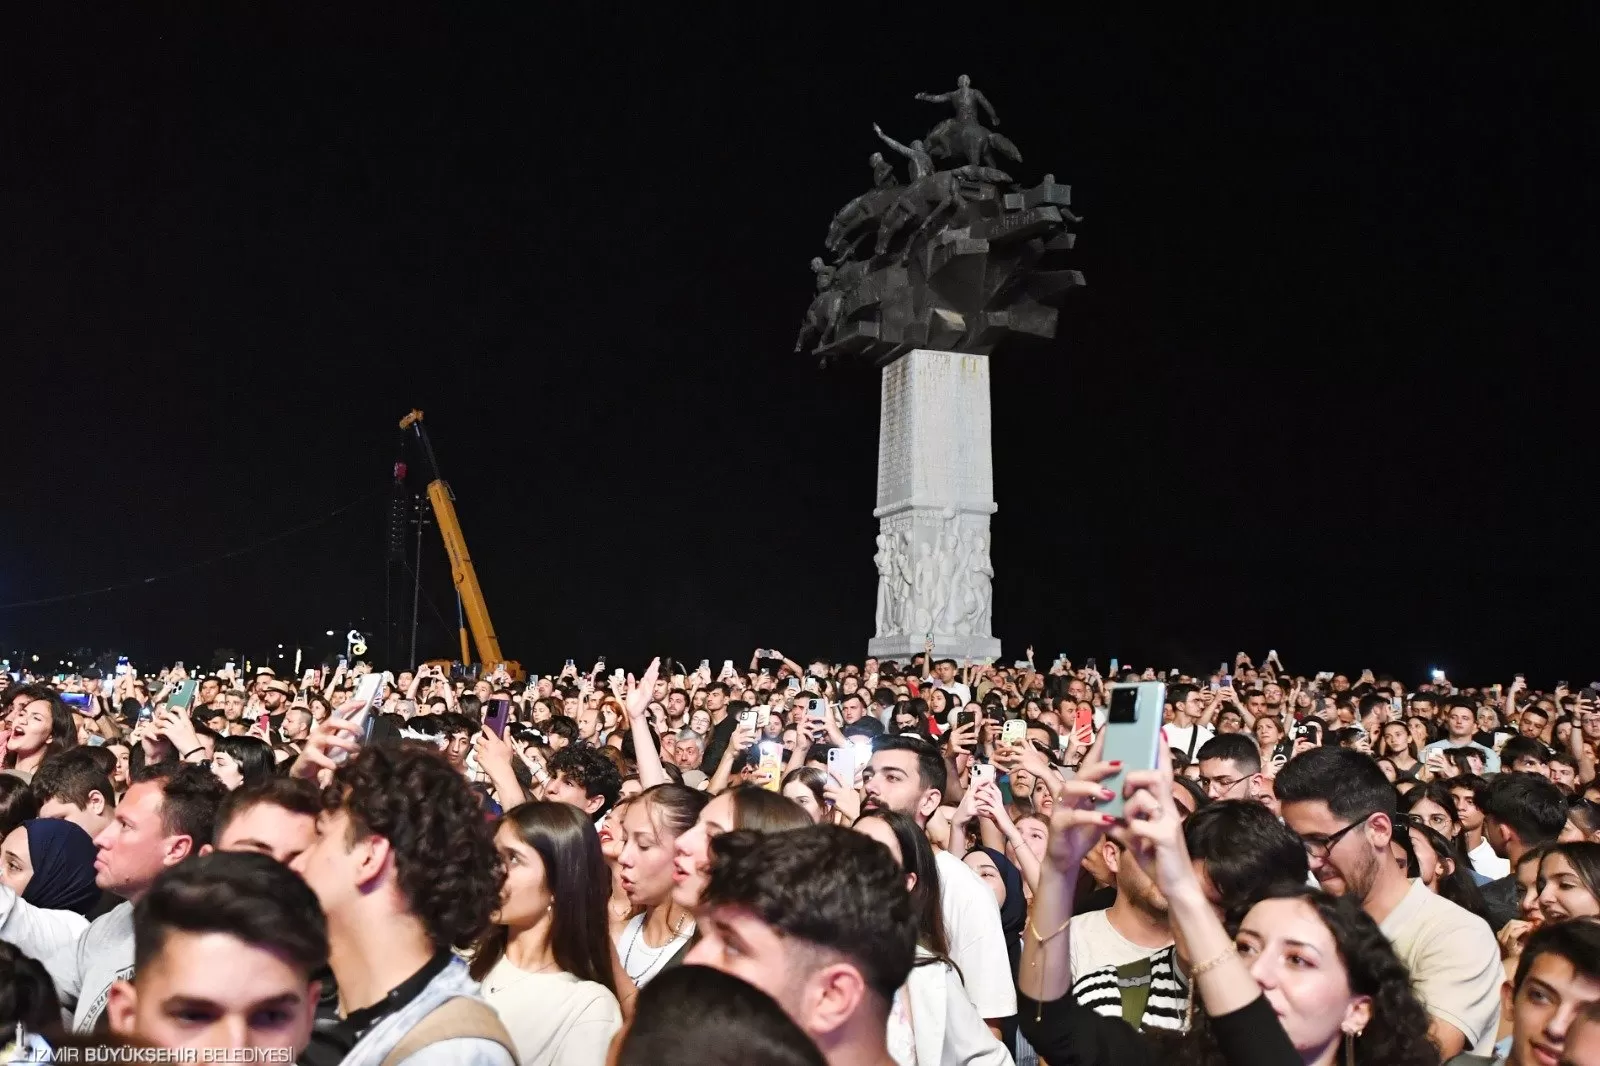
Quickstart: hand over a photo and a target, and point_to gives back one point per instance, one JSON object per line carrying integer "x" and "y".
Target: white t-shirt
{"x": 977, "y": 943}
{"x": 1454, "y": 963}
{"x": 1181, "y": 736}
{"x": 1094, "y": 943}
{"x": 554, "y": 1018}
{"x": 1487, "y": 863}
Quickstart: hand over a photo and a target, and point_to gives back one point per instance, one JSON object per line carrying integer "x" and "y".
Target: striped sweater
{"x": 1113, "y": 989}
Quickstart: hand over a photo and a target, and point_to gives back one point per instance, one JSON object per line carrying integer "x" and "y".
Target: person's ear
{"x": 1508, "y": 996}
{"x": 96, "y": 803}
{"x": 1110, "y": 854}
{"x": 176, "y": 849}
{"x": 592, "y": 804}
{"x": 122, "y": 1008}
{"x": 931, "y": 799}
{"x": 911, "y": 882}
{"x": 374, "y": 854}
{"x": 1254, "y": 787}
{"x": 831, "y": 998}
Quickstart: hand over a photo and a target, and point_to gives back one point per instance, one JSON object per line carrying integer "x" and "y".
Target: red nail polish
{"x": 1107, "y": 819}
{"x": 1114, "y": 762}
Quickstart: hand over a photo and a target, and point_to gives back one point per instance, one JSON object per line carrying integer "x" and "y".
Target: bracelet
{"x": 1213, "y": 963}
{"x": 1041, "y": 940}
{"x": 190, "y": 752}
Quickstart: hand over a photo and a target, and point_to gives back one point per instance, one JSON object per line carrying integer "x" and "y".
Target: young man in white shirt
{"x": 1468, "y": 792}
{"x": 907, "y": 774}
{"x": 1185, "y": 733}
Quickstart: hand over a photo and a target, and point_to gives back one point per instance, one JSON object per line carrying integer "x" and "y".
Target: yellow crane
{"x": 461, "y": 569}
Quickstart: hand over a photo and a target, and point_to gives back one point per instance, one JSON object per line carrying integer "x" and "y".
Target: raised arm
{"x": 983, "y": 102}
{"x": 890, "y": 141}
{"x": 935, "y": 98}
{"x": 644, "y": 743}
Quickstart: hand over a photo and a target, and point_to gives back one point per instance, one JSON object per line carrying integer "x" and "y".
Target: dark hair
{"x": 240, "y": 893}
{"x": 1584, "y": 858}
{"x": 813, "y": 778}
{"x": 1520, "y": 747}
{"x": 254, "y": 756}
{"x": 590, "y": 770}
{"x": 444, "y": 855}
{"x": 1576, "y": 941}
{"x": 697, "y": 1016}
{"x": 1397, "y": 1033}
{"x": 1237, "y": 748}
{"x": 765, "y": 811}
{"x": 1436, "y": 791}
{"x": 1180, "y": 693}
{"x": 825, "y": 886}
{"x": 916, "y": 857}
{"x": 561, "y": 726}
{"x": 931, "y": 771}
{"x": 63, "y": 728}
{"x": 579, "y": 882}
{"x": 190, "y": 796}
{"x": 1585, "y": 814}
{"x": 1247, "y": 851}
{"x": 28, "y": 995}
{"x": 1349, "y": 782}
{"x": 1458, "y": 886}
{"x": 293, "y": 794}
{"x": 18, "y": 803}
{"x": 1527, "y": 803}
{"x": 70, "y": 777}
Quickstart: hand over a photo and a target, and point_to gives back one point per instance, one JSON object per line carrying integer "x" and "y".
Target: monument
{"x": 923, "y": 280}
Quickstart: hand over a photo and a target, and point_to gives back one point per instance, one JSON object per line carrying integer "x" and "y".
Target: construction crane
{"x": 468, "y": 591}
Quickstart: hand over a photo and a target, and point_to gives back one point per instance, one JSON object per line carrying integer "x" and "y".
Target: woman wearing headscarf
{"x": 50, "y": 864}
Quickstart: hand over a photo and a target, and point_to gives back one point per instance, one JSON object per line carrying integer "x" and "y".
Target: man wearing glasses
{"x": 1230, "y": 767}
{"x": 1344, "y": 810}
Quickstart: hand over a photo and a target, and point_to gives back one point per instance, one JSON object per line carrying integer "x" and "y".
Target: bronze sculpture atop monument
{"x": 955, "y": 259}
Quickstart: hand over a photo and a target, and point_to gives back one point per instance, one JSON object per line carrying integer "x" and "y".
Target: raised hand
{"x": 639, "y": 693}
{"x": 329, "y": 736}
{"x": 1076, "y": 823}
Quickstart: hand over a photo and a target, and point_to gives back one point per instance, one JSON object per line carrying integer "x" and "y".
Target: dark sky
{"x": 1328, "y": 390}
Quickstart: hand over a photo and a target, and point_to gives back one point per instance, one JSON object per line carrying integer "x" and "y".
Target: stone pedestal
{"x": 935, "y": 496}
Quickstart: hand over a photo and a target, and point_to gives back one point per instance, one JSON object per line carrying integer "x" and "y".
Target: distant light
{"x": 35, "y": 658}
{"x": 330, "y": 632}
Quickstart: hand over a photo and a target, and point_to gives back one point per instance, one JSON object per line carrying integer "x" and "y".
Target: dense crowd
{"x": 927, "y": 863}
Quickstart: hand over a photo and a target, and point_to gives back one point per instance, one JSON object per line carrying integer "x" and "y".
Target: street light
{"x": 330, "y": 632}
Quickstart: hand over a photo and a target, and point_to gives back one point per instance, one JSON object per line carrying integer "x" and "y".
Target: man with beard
{"x": 907, "y": 774}
{"x": 1134, "y": 927}
{"x": 1344, "y": 810}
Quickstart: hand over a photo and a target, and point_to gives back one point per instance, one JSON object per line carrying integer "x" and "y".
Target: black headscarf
{"x": 63, "y": 866}
{"x": 1014, "y": 911}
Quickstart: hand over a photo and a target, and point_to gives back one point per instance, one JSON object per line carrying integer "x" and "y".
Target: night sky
{"x": 1328, "y": 390}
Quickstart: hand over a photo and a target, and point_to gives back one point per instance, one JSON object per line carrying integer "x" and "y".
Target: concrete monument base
{"x": 935, "y": 496}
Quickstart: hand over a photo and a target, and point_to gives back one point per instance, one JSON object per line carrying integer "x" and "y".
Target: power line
{"x": 210, "y": 561}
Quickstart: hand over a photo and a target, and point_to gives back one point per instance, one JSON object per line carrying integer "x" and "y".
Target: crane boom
{"x": 455, "y": 545}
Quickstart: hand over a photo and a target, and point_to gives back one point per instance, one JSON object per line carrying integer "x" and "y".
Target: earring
{"x": 1350, "y": 1047}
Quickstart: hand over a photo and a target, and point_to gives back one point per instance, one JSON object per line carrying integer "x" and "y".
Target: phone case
{"x": 1132, "y": 732}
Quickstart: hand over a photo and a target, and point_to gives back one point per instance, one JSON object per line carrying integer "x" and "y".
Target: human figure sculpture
{"x": 920, "y": 163}
{"x": 980, "y": 575}
{"x": 964, "y": 135}
{"x": 900, "y": 596}
{"x": 947, "y": 597}
{"x": 882, "y": 173}
{"x": 923, "y": 580}
{"x": 885, "y": 563}
{"x": 824, "y": 309}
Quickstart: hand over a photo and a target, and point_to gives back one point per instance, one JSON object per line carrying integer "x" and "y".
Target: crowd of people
{"x": 928, "y": 863}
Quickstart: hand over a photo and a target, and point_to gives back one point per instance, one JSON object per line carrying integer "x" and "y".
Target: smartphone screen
{"x": 78, "y": 701}
{"x": 1133, "y": 733}
{"x": 499, "y": 712}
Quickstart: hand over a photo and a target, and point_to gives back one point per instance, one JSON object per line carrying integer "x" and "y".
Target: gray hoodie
{"x": 83, "y": 958}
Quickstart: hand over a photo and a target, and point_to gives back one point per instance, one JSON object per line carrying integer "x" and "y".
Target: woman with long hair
{"x": 613, "y": 838}
{"x": 1441, "y": 870}
{"x": 1569, "y": 882}
{"x": 746, "y": 807}
{"x": 932, "y": 1019}
{"x": 653, "y": 937}
{"x": 545, "y": 961}
{"x": 40, "y": 725}
{"x": 1398, "y": 746}
{"x": 242, "y": 762}
{"x": 807, "y": 787}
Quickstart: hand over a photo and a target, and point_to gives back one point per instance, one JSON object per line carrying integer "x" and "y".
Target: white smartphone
{"x": 1014, "y": 732}
{"x": 982, "y": 772}
{"x": 1133, "y": 733}
{"x": 842, "y": 764}
{"x": 817, "y": 710}
{"x": 727, "y": 666}
{"x": 747, "y": 719}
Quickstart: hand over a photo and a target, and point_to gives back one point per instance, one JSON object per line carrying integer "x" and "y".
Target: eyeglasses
{"x": 1320, "y": 847}
{"x": 1222, "y": 784}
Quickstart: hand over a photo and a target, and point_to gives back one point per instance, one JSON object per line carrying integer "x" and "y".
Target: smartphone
{"x": 499, "y": 713}
{"x": 794, "y": 684}
{"x": 618, "y": 678}
{"x": 1014, "y": 732}
{"x": 183, "y": 695}
{"x": 1090, "y": 665}
{"x": 963, "y": 718}
{"x": 727, "y": 666}
{"x": 571, "y": 664}
{"x": 78, "y": 701}
{"x": 1397, "y": 705}
{"x": 772, "y": 765}
{"x": 981, "y": 772}
{"x": 1438, "y": 676}
{"x": 705, "y": 664}
{"x": 357, "y": 708}
{"x": 1022, "y": 664}
{"x": 817, "y": 710}
{"x": 1132, "y": 733}
{"x": 1226, "y": 682}
{"x": 264, "y": 723}
{"x": 228, "y": 666}
{"x": 1113, "y": 668}
{"x": 1083, "y": 720}
{"x": 747, "y": 719}
{"x": 842, "y": 765}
